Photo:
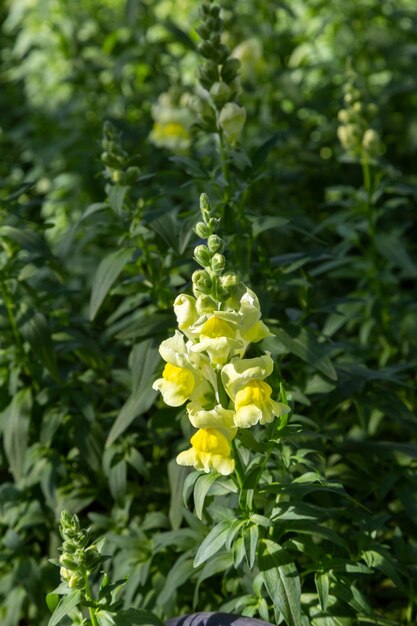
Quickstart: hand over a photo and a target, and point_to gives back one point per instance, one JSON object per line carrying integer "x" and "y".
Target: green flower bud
{"x": 202, "y": 230}
{"x": 215, "y": 244}
{"x": 202, "y": 256}
{"x": 231, "y": 120}
{"x": 131, "y": 175}
{"x": 205, "y": 304}
{"x": 230, "y": 280}
{"x": 205, "y": 207}
{"x": 202, "y": 283}
{"x": 221, "y": 52}
{"x": 69, "y": 547}
{"x": 66, "y": 561}
{"x": 203, "y": 31}
{"x": 230, "y": 70}
{"x": 213, "y": 223}
{"x": 218, "y": 263}
{"x": 207, "y": 50}
{"x": 112, "y": 160}
{"x": 220, "y": 92}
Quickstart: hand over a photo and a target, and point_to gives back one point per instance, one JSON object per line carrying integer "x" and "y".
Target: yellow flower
{"x": 243, "y": 380}
{"x": 253, "y": 404}
{"x": 186, "y": 313}
{"x": 218, "y": 417}
{"x": 210, "y": 450}
{"x": 176, "y": 384}
{"x": 232, "y": 119}
{"x": 186, "y": 374}
{"x": 217, "y": 338}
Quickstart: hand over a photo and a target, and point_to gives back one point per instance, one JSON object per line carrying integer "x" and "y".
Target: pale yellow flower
{"x": 217, "y": 337}
{"x": 210, "y": 451}
{"x": 232, "y": 119}
{"x": 217, "y": 417}
{"x": 243, "y": 380}
{"x": 186, "y": 374}
{"x": 176, "y": 384}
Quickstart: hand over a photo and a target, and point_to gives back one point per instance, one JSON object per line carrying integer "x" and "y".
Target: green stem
{"x": 240, "y": 472}
{"x": 89, "y": 597}
{"x": 225, "y": 165}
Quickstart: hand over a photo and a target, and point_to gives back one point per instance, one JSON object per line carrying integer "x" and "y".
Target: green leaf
{"x": 250, "y": 540}
{"x": 189, "y": 485}
{"x": 217, "y": 565}
{"x": 27, "y": 239}
{"x": 66, "y": 605}
{"x": 303, "y": 343}
{"x": 107, "y": 272}
{"x": 116, "y": 195}
{"x": 144, "y": 359}
{"x": 266, "y": 222}
{"x": 181, "y": 571}
{"x": 260, "y": 155}
{"x": 212, "y": 543}
{"x": 176, "y": 476}
{"x": 15, "y": 423}
{"x": 130, "y": 617}
{"x": 281, "y": 580}
{"x": 201, "y": 490}
{"x": 35, "y": 330}
{"x": 321, "y": 580}
{"x": 52, "y": 601}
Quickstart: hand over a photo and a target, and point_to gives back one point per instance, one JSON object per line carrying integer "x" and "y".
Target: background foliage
{"x": 93, "y": 254}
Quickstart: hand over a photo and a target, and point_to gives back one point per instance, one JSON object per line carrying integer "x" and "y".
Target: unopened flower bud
{"x": 220, "y": 92}
{"x": 202, "y": 230}
{"x": 218, "y": 263}
{"x": 232, "y": 119}
{"x": 205, "y": 206}
{"x": 215, "y": 244}
{"x": 230, "y": 70}
{"x": 357, "y": 107}
{"x": 66, "y": 561}
{"x": 205, "y": 304}
{"x": 229, "y": 280}
{"x": 202, "y": 256}
{"x": 201, "y": 282}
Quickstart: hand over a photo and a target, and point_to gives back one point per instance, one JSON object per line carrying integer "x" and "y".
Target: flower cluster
{"x": 358, "y": 139}
{"x": 205, "y": 364}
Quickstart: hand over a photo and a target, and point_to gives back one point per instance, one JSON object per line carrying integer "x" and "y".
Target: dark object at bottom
{"x": 215, "y": 619}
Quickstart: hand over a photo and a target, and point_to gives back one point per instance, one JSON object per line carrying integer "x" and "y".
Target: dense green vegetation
{"x": 115, "y": 117}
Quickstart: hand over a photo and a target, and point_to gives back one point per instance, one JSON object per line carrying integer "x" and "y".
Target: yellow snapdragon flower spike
{"x": 210, "y": 451}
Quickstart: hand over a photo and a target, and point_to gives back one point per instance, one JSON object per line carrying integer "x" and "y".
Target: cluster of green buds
{"x": 219, "y": 75}
{"x": 205, "y": 364}
{"x": 355, "y": 134}
{"x": 118, "y": 163}
{"x": 78, "y": 558}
